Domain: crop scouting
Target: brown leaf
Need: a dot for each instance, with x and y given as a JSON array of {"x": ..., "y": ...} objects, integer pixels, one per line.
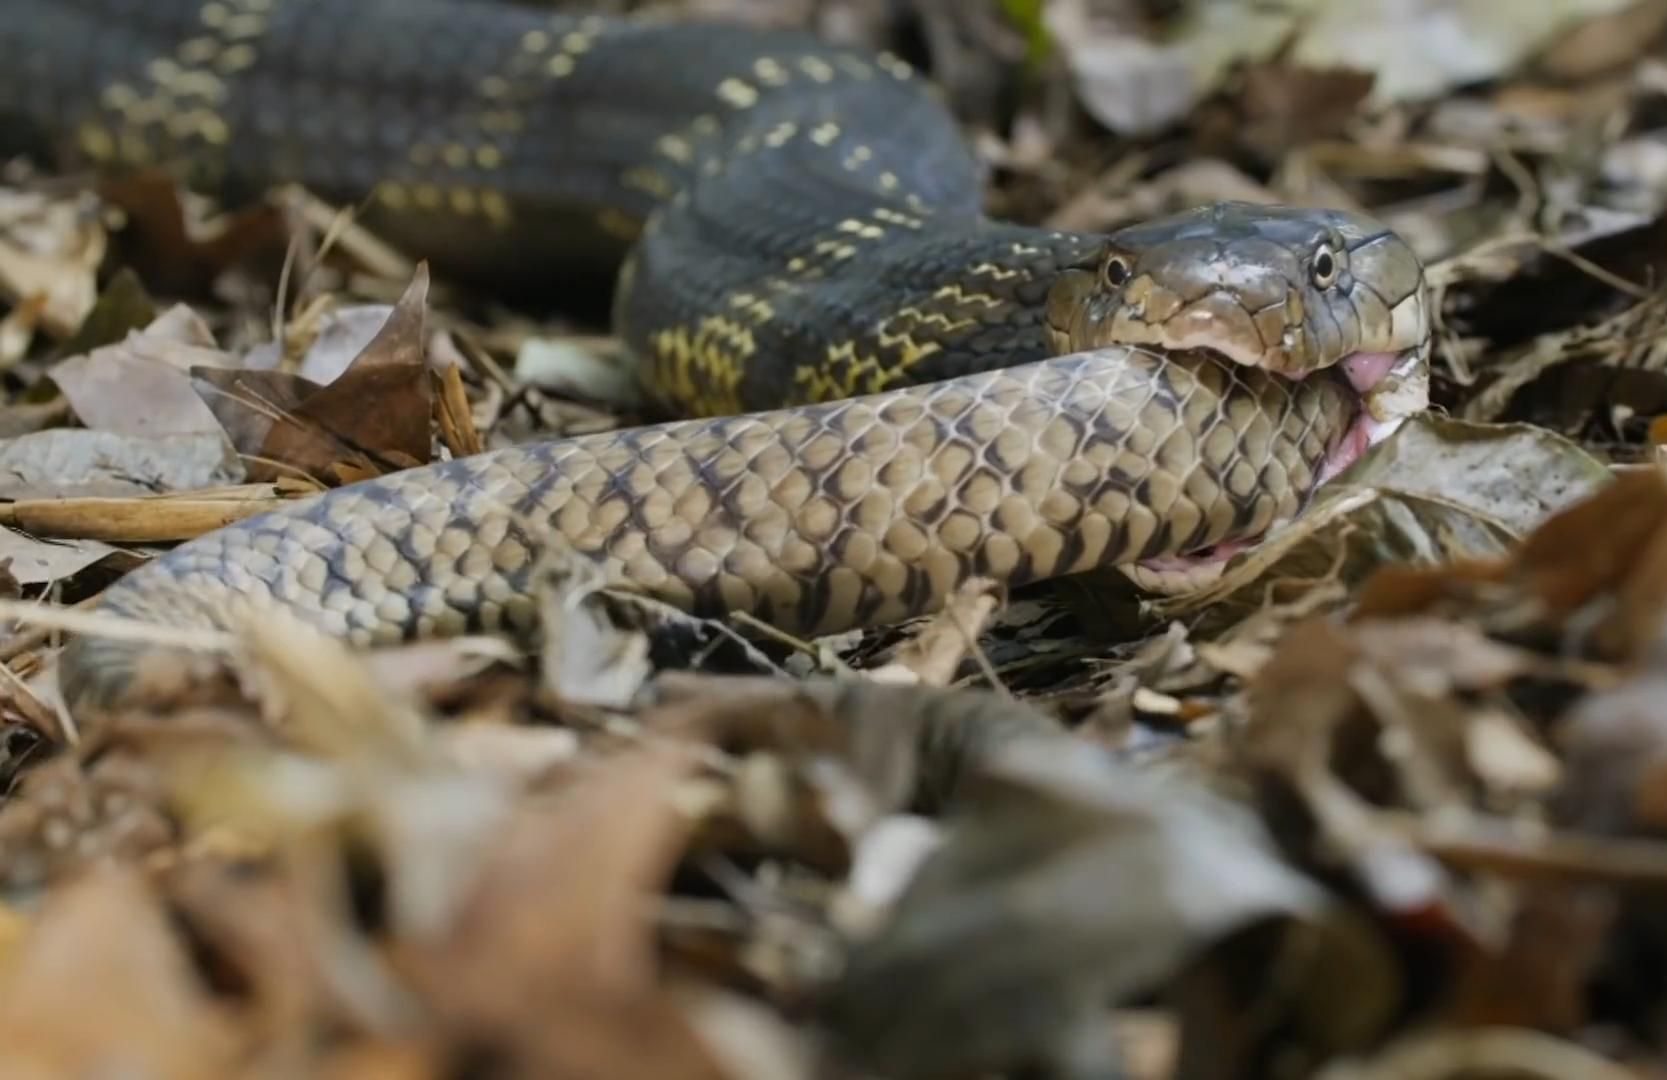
[
  {"x": 341, "y": 337},
  {"x": 177, "y": 249},
  {"x": 1605, "y": 556},
  {"x": 551, "y": 954},
  {"x": 102, "y": 983},
  {"x": 122, "y": 308},
  {"x": 374, "y": 419},
  {"x": 1285, "y": 106}
]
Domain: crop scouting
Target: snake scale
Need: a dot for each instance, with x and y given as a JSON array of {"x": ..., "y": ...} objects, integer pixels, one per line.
[{"x": 883, "y": 390}]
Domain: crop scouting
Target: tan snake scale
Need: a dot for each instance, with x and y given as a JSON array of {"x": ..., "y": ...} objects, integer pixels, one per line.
[{"x": 802, "y": 242}]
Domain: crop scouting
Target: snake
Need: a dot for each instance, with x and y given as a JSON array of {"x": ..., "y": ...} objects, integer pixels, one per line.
[{"x": 870, "y": 391}]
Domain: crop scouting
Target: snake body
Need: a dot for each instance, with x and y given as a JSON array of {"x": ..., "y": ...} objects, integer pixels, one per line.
[{"x": 923, "y": 393}]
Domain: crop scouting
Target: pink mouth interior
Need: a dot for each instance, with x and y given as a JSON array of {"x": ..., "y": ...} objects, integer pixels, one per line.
[{"x": 1364, "y": 372}]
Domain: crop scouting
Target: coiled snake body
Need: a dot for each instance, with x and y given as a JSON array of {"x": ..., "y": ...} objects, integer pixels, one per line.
[{"x": 926, "y": 393}]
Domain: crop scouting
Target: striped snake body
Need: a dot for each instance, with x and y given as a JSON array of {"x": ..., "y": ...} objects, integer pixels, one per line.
[{"x": 890, "y": 391}]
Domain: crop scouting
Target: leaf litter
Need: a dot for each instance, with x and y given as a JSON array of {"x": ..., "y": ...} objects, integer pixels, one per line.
[{"x": 1385, "y": 801}]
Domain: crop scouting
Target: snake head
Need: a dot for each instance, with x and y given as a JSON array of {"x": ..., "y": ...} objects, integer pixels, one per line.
[
  {"x": 1292, "y": 290},
  {"x": 1297, "y": 292}
]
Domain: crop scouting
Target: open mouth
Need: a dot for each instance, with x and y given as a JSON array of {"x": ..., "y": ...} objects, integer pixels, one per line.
[{"x": 1366, "y": 375}]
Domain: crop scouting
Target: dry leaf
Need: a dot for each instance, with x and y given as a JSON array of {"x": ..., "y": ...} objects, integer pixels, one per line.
[
  {"x": 65, "y": 462},
  {"x": 178, "y": 247},
  {"x": 1420, "y": 48},
  {"x": 44, "y": 562},
  {"x": 551, "y": 958},
  {"x": 102, "y": 985},
  {"x": 933, "y": 654},
  {"x": 50, "y": 251},
  {"x": 284, "y": 424},
  {"x": 141, "y": 385}
]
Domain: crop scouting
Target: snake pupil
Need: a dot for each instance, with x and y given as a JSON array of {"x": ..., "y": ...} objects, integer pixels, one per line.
[
  {"x": 1117, "y": 272},
  {"x": 1325, "y": 268}
]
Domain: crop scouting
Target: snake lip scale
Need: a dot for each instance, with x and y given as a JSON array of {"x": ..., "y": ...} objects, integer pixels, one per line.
[{"x": 881, "y": 392}]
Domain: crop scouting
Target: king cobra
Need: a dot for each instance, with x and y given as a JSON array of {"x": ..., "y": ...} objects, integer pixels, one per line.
[{"x": 877, "y": 391}]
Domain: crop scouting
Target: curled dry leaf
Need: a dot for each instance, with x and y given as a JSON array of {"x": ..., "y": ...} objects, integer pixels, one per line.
[
  {"x": 1600, "y": 566},
  {"x": 584, "y": 369},
  {"x": 285, "y": 424},
  {"x": 146, "y": 519},
  {"x": 595, "y": 653}
]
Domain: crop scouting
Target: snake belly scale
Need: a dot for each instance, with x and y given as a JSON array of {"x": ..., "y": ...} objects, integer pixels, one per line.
[{"x": 887, "y": 391}]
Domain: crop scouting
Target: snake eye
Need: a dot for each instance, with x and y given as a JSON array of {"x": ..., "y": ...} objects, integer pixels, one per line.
[
  {"x": 1116, "y": 271},
  {"x": 1324, "y": 267}
]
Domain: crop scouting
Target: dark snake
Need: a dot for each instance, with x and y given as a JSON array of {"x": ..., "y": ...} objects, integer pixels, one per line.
[{"x": 890, "y": 392}]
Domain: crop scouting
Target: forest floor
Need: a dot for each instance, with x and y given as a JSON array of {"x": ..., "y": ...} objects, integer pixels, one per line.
[{"x": 1375, "y": 806}]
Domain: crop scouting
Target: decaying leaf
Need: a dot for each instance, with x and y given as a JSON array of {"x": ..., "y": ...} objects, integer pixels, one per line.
[
  {"x": 578, "y": 369},
  {"x": 592, "y": 656},
  {"x": 64, "y": 462},
  {"x": 147, "y": 518},
  {"x": 284, "y": 424},
  {"x": 1135, "y": 85},
  {"x": 42, "y": 562},
  {"x": 1600, "y": 564}
]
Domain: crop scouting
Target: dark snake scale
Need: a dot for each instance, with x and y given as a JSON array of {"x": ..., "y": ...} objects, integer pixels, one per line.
[{"x": 888, "y": 391}]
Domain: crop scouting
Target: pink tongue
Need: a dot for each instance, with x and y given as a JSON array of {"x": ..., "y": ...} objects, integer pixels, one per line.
[{"x": 1366, "y": 370}]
